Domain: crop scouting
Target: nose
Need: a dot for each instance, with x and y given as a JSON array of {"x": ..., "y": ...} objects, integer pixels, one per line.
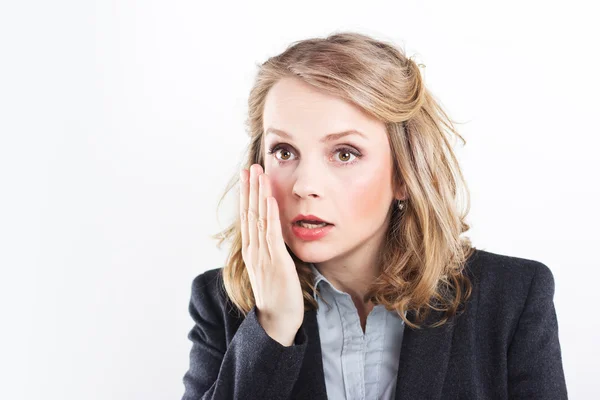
[{"x": 309, "y": 180}]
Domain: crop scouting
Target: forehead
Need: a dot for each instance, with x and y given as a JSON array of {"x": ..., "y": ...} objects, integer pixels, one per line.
[{"x": 299, "y": 109}]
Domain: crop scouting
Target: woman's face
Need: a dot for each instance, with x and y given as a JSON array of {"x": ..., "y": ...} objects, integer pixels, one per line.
[{"x": 346, "y": 181}]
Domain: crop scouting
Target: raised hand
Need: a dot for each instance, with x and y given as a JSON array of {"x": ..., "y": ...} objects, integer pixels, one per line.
[{"x": 271, "y": 269}]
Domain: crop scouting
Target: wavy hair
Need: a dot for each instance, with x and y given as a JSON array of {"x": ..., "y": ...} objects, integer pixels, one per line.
[{"x": 423, "y": 257}]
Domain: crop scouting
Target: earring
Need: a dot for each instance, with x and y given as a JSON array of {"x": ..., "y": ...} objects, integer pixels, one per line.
[{"x": 400, "y": 205}]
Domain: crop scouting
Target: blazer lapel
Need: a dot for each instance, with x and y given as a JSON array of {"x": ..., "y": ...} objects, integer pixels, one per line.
[
  {"x": 424, "y": 359},
  {"x": 422, "y": 366}
]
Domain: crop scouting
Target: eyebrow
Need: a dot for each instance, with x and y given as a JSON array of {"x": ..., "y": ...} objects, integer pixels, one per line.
[{"x": 328, "y": 138}]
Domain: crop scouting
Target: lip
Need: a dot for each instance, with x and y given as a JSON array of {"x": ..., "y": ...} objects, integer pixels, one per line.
[
  {"x": 310, "y": 234},
  {"x": 308, "y": 217}
]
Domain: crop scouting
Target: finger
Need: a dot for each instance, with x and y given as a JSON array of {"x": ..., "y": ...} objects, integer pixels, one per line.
[
  {"x": 274, "y": 234},
  {"x": 265, "y": 191},
  {"x": 244, "y": 176},
  {"x": 255, "y": 170}
]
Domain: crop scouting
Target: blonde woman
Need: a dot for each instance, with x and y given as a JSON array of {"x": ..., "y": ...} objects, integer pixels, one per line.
[{"x": 348, "y": 277}]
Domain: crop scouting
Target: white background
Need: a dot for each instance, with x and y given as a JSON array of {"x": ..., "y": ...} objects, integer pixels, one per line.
[{"x": 122, "y": 121}]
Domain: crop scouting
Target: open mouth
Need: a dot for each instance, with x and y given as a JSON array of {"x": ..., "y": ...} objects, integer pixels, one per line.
[{"x": 311, "y": 224}]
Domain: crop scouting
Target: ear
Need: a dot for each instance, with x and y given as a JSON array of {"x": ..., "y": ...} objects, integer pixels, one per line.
[{"x": 401, "y": 193}]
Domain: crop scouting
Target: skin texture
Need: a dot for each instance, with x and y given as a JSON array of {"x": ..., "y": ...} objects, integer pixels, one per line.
[
  {"x": 271, "y": 269},
  {"x": 308, "y": 176}
]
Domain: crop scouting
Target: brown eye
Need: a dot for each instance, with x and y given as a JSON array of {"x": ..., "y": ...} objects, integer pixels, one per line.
[
  {"x": 280, "y": 149},
  {"x": 284, "y": 152},
  {"x": 348, "y": 157},
  {"x": 345, "y": 156}
]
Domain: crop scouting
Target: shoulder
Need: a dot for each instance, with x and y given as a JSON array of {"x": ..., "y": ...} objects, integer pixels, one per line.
[
  {"x": 509, "y": 278},
  {"x": 208, "y": 280},
  {"x": 517, "y": 271},
  {"x": 208, "y": 291}
]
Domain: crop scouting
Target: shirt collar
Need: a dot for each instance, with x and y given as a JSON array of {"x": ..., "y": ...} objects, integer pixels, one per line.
[{"x": 317, "y": 277}]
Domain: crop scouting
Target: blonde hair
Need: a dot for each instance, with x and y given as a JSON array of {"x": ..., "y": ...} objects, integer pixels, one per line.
[{"x": 423, "y": 256}]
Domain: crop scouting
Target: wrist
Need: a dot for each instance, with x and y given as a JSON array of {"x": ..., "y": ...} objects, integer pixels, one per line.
[{"x": 283, "y": 333}]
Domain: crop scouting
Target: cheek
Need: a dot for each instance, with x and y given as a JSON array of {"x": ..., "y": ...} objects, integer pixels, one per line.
[
  {"x": 277, "y": 189},
  {"x": 367, "y": 197}
]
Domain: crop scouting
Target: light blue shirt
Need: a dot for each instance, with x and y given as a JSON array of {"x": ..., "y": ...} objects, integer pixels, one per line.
[{"x": 357, "y": 365}]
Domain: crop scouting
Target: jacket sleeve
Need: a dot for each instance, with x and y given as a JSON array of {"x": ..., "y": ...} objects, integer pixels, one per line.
[
  {"x": 535, "y": 369},
  {"x": 252, "y": 366}
]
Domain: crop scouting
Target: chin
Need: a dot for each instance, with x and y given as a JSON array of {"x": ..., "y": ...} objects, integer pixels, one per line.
[{"x": 311, "y": 252}]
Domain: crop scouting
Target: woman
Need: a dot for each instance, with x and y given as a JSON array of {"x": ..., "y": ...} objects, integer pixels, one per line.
[{"x": 347, "y": 276}]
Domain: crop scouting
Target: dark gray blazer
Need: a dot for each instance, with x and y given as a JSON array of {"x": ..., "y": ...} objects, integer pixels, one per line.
[{"x": 504, "y": 346}]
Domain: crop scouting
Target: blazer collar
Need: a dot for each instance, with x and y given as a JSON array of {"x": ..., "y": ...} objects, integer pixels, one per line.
[{"x": 423, "y": 363}]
